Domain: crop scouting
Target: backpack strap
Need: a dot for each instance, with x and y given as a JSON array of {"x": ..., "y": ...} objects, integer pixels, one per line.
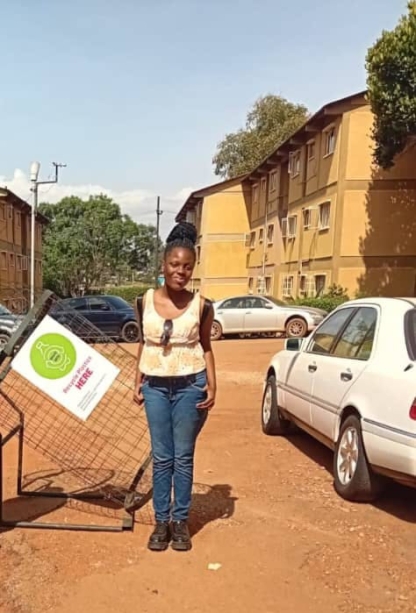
[
  {"x": 139, "y": 314},
  {"x": 205, "y": 310}
]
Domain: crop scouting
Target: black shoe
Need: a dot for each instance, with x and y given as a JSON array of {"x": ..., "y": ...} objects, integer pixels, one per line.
[
  {"x": 160, "y": 537},
  {"x": 181, "y": 539}
]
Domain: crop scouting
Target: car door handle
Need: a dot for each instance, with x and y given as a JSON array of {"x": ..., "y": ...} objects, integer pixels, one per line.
[
  {"x": 346, "y": 375},
  {"x": 312, "y": 367},
  {"x": 248, "y": 312}
]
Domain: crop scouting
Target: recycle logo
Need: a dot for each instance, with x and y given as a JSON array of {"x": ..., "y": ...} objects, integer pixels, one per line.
[{"x": 53, "y": 356}]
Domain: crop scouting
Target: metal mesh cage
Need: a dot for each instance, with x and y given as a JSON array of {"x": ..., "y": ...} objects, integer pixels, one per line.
[{"x": 108, "y": 453}]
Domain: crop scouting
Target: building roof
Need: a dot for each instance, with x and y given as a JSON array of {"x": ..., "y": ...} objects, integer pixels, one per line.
[
  {"x": 195, "y": 196},
  {"x": 22, "y": 205},
  {"x": 336, "y": 107}
]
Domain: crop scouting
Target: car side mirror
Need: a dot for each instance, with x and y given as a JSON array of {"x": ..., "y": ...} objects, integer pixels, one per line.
[
  {"x": 268, "y": 306},
  {"x": 293, "y": 344}
]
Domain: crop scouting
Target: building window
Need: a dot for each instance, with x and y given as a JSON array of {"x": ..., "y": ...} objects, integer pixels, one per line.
[
  {"x": 289, "y": 226},
  {"x": 311, "y": 150},
  {"x": 18, "y": 219},
  {"x": 10, "y": 211},
  {"x": 270, "y": 234},
  {"x": 11, "y": 260},
  {"x": 324, "y": 215},
  {"x": 287, "y": 287},
  {"x": 24, "y": 262},
  {"x": 263, "y": 184},
  {"x": 19, "y": 263},
  {"x": 252, "y": 239},
  {"x": 273, "y": 181},
  {"x": 294, "y": 164},
  {"x": 250, "y": 284},
  {"x": 3, "y": 260},
  {"x": 198, "y": 254},
  {"x": 261, "y": 235},
  {"x": 329, "y": 136},
  {"x": 255, "y": 194},
  {"x": 268, "y": 285},
  {"x": 319, "y": 284},
  {"x": 3, "y": 211},
  {"x": 307, "y": 219}
]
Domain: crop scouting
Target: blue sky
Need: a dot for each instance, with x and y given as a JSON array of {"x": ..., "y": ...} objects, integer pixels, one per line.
[{"x": 135, "y": 95}]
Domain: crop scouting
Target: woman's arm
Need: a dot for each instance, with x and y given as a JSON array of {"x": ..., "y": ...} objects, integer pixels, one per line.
[{"x": 205, "y": 336}]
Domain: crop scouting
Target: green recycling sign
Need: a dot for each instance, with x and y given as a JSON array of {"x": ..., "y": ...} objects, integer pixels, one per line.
[{"x": 53, "y": 356}]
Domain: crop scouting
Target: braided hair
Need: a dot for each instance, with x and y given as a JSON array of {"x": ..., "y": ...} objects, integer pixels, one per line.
[{"x": 183, "y": 235}]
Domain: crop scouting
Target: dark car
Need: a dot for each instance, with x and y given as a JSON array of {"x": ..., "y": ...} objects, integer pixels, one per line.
[
  {"x": 113, "y": 316},
  {"x": 9, "y": 322}
]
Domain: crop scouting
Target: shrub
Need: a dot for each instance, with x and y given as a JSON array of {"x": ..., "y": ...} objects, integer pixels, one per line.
[{"x": 334, "y": 296}]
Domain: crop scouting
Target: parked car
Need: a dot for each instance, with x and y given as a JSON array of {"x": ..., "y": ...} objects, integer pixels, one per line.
[
  {"x": 113, "y": 316},
  {"x": 263, "y": 314},
  {"x": 9, "y": 323},
  {"x": 352, "y": 385}
]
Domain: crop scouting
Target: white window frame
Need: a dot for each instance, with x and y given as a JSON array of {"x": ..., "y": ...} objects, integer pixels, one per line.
[
  {"x": 316, "y": 276},
  {"x": 270, "y": 234},
  {"x": 287, "y": 286},
  {"x": 286, "y": 222},
  {"x": 330, "y": 140},
  {"x": 311, "y": 145},
  {"x": 273, "y": 181},
  {"x": 294, "y": 163},
  {"x": 307, "y": 224},
  {"x": 261, "y": 235},
  {"x": 324, "y": 224}
]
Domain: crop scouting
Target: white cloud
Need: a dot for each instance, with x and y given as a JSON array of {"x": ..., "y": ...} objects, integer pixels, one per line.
[{"x": 139, "y": 203}]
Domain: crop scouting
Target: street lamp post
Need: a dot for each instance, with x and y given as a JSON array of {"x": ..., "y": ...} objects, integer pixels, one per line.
[{"x": 34, "y": 174}]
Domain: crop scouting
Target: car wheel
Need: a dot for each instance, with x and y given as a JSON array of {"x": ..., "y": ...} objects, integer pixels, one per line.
[
  {"x": 354, "y": 479},
  {"x": 130, "y": 332},
  {"x": 4, "y": 339},
  {"x": 216, "y": 331},
  {"x": 273, "y": 423},
  {"x": 296, "y": 328}
]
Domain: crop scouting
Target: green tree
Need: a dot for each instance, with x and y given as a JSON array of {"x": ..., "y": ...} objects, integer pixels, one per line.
[
  {"x": 271, "y": 121},
  {"x": 89, "y": 241},
  {"x": 391, "y": 67}
]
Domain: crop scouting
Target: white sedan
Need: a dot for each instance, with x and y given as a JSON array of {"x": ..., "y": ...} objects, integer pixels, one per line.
[
  {"x": 352, "y": 386},
  {"x": 260, "y": 314}
]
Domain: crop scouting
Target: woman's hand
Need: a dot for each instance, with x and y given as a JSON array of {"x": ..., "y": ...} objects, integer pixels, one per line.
[
  {"x": 138, "y": 394},
  {"x": 209, "y": 401}
]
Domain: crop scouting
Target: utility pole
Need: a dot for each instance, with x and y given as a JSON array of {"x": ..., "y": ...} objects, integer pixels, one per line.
[
  {"x": 34, "y": 174},
  {"x": 158, "y": 214}
]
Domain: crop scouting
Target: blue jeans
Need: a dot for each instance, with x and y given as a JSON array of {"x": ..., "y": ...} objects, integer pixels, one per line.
[{"x": 174, "y": 424}]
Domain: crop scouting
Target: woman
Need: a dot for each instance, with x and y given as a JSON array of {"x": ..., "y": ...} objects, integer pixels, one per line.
[{"x": 176, "y": 382}]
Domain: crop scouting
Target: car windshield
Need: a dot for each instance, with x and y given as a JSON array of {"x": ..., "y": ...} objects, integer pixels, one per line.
[
  {"x": 276, "y": 301},
  {"x": 4, "y": 310}
]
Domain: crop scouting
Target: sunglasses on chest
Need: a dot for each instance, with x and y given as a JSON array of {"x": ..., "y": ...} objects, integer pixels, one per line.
[{"x": 167, "y": 332}]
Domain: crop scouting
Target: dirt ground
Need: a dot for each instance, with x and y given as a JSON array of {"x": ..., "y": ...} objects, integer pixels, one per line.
[{"x": 265, "y": 513}]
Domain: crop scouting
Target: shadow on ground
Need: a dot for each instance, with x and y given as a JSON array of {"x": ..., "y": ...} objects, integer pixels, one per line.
[{"x": 396, "y": 500}]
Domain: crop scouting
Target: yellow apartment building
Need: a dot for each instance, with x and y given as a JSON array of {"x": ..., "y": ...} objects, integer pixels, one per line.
[
  {"x": 219, "y": 213},
  {"x": 321, "y": 213}
]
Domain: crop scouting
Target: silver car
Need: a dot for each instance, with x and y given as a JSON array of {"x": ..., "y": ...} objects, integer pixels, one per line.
[{"x": 261, "y": 315}]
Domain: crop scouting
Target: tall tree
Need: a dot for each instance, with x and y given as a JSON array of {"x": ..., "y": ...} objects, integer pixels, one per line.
[
  {"x": 271, "y": 120},
  {"x": 90, "y": 240},
  {"x": 391, "y": 67}
]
